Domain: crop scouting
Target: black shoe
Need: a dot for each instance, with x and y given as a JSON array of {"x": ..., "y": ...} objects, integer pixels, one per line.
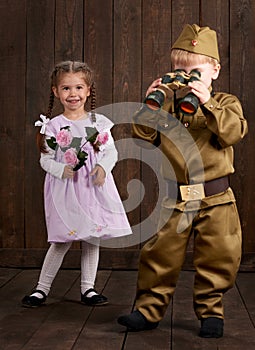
[
  {"x": 211, "y": 327},
  {"x": 32, "y": 301},
  {"x": 136, "y": 322},
  {"x": 95, "y": 300}
]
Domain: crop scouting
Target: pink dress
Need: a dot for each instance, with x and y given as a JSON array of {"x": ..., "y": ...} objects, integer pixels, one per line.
[{"x": 76, "y": 209}]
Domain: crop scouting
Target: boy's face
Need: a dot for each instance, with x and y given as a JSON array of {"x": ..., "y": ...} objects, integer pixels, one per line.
[{"x": 207, "y": 70}]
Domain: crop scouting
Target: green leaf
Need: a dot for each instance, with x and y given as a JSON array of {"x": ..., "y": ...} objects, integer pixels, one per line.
[
  {"x": 52, "y": 143},
  {"x": 82, "y": 156},
  {"x": 76, "y": 143},
  {"x": 91, "y": 134}
]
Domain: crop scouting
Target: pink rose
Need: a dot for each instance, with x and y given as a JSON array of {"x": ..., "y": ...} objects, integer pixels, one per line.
[
  {"x": 70, "y": 157},
  {"x": 102, "y": 138},
  {"x": 64, "y": 138}
]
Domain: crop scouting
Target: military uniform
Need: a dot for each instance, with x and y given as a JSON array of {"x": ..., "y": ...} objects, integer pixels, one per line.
[
  {"x": 216, "y": 226},
  {"x": 213, "y": 218}
]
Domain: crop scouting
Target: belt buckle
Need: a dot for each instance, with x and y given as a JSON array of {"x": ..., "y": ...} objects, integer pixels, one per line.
[{"x": 192, "y": 192}]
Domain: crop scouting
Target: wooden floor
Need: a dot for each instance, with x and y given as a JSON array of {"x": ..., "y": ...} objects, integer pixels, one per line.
[{"x": 63, "y": 323}]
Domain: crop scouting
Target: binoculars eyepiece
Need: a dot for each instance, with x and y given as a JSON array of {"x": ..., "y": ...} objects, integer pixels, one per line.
[{"x": 175, "y": 85}]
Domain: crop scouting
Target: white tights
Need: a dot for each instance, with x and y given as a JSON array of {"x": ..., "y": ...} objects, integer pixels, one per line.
[{"x": 54, "y": 258}]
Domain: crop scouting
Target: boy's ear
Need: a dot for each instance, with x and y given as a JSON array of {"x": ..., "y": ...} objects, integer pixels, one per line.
[
  {"x": 55, "y": 91},
  {"x": 216, "y": 71}
]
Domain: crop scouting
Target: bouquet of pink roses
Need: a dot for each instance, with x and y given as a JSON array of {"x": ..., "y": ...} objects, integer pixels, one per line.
[{"x": 72, "y": 148}]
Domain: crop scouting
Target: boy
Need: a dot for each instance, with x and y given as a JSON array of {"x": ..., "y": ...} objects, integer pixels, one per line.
[{"x": 215, "y": 127}]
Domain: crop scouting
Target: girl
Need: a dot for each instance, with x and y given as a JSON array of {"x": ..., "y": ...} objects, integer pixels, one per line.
[{"x": 80, "y": 196}]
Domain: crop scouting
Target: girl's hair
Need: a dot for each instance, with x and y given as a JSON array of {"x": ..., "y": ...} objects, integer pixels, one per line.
[
  {"x": 62, "y": 68},
  {"x": 182, "y": 57}
]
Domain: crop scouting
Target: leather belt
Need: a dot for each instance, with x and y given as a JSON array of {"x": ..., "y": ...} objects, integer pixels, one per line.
[{"x": 197, "y": 191}]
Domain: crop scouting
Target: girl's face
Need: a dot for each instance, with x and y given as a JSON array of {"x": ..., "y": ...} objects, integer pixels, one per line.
[
  {"x": 207, "y": 70},
  {"x": 72, "y": 92}
]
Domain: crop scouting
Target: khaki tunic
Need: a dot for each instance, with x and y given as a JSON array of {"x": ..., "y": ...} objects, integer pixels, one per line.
[{"x": 197, "y": 150}]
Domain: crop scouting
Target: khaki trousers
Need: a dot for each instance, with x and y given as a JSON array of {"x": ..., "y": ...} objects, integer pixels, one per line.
[{"x": 217, "y": 254}]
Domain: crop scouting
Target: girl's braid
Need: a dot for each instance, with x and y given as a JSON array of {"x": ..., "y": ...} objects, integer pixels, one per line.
[
  {"x": 40, "y": 139},
  {"x": 93, "y": 102},
  {"x": 51, "y": 104}
]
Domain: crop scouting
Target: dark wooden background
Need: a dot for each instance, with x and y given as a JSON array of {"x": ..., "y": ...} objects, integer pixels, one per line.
[{"x": 127, "y": 43}]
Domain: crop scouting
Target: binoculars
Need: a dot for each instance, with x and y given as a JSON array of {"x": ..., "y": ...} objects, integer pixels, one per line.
[{"x": 174, "y": 87}]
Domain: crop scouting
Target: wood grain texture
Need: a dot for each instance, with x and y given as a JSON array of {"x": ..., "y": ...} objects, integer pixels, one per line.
[
  {"x": 40, "y": 62},
  {"x": 98, "y": 47},
  {"x": 13, "y": 121},
  {"x": 242, "y": 75}
]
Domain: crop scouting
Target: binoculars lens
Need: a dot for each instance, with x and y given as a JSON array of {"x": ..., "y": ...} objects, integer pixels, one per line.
[
  {"x": 155, "y": 100},
  {"x": 189, "y": 104},
  {"x": 187, "y": 108},
  {"x": 153, "y": 105}
]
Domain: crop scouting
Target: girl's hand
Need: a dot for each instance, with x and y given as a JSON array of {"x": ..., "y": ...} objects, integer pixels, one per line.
[
  {"x": 100, "y": 174},
  {"x": 153, "y": 86},
  {"x": 199, "y": 89},
  {"x": 68, "y": 172}
]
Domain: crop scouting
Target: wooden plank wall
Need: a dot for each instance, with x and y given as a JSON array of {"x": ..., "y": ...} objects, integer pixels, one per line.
[{"x": 127, "y": 43}]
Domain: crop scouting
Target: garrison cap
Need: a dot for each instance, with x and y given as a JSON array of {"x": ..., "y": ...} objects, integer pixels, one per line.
[{"x": 199, "y": 40}]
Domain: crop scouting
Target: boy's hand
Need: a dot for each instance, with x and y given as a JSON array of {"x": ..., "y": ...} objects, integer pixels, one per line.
[
  {"x": 99, "y": 173},
  {"x": 199, "y": 89},
  {"x": 68, "y": 172},
  {"x": 153, "y": 86}
]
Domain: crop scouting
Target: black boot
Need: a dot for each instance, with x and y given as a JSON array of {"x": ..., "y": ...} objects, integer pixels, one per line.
[
  {"x": 95, "y": 300},
  {"x": 211, "y": 327},
  {"x": 136, "y": 322},
  {"x": 33, "y": 301}
]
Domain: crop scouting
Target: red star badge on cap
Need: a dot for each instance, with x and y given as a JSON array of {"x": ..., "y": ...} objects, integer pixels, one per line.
[{"x": 194, "y": 42}]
